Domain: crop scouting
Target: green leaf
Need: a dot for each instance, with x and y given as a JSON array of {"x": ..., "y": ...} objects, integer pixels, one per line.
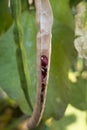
[
  {"x": 62, "y": 55},
  {"x": 79, "y": 94},
  {"x": 74, "y": 2},
  {"x": 9, "y": 79},
  {"x": 5, "y": 17},
  {"x": 62, "y": 13},
  {"x": 5, "y": 14}
]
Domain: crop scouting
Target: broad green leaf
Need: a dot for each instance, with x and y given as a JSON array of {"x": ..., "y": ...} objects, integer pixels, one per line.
[
  {"x": 62, "y": 12},
  {"x": 78, "y": 86},
  {"x": 5, "y": 14},
  {"x": 9, "y": 79},
  {"x": 5, "y": 17},
  {"x": 78, "y": 97},
  {"x": 79, "y": 94},
  {"x": 62, "y": 55}
]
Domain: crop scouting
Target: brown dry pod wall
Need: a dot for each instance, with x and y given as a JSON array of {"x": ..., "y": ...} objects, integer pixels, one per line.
[{"x": 44, "y": 18}]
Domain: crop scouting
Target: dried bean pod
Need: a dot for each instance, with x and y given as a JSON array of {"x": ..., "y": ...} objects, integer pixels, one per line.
[{"x": 44, "y": 18}]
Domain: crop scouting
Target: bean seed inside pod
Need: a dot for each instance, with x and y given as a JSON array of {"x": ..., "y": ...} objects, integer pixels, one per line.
[{"x": 44, "y": 61}]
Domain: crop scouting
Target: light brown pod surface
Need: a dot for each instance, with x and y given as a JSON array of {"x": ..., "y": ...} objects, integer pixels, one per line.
[{"x": 44, "y": 18}]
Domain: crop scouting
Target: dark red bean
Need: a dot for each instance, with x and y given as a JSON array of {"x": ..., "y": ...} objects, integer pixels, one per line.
[
  {"x": 43, "y": 79},
  {"x": 41, "y": 97},
  {"x": 43, "y": 87},
  {"x": 44, "y": 72},
  {"x": 44, "y": 61}
]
